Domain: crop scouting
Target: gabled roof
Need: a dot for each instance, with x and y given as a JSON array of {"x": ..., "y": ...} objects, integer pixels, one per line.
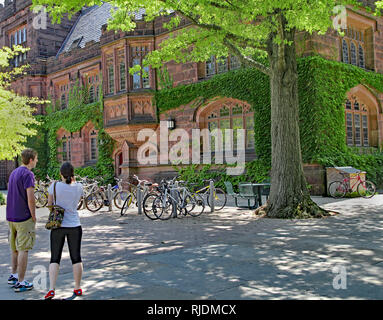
[{"x": 88, "y": 26}]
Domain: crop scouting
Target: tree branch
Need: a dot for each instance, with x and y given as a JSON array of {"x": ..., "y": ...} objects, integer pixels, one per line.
[
  {"x": 246, "y": 60},
  {"x": 244, "y": 41}
]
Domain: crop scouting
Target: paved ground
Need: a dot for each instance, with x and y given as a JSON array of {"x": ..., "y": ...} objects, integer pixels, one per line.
[{"x": 225, "y": 255}]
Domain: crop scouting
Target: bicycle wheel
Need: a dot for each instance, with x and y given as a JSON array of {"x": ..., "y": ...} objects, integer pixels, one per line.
[
  {"x": 337, "y": 189},
  {"x": 366, "y": 189},
  {"x": 151, "y": 206},
  {"x": 220, "y": 199},
  {"x": 126, "y": 205},
  {"x": 164, "y": 208},
  {"x": 41, "y": 199},
  {"x": 94, "y": 201},
  {"x": 194, "y": 205},
  {"x": 119, "y": 198}
]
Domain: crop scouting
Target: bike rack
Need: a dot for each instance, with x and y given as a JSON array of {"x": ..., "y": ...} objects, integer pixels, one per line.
[
  {"x": 139, "y": 200},
  {"x": 174, "y": 195},
  {"x": 211, "y": 196}
]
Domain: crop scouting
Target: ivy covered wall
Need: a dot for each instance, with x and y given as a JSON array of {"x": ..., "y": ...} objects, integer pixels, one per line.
[
  {"x": 77, "y": 114},
  {"x": 323, "y": 86}
]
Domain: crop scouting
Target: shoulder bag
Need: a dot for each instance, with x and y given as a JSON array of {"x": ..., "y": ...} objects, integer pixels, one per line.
[{"x": 56, "y": 214}]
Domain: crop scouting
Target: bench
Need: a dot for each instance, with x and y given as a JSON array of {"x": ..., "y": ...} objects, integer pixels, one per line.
[{"x": 245, "y": 192}]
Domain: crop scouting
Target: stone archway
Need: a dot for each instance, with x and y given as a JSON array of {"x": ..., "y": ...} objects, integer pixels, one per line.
[{"x": 364, "y": 118}]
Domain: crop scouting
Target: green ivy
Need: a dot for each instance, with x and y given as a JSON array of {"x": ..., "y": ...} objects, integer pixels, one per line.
[
  {"x": 73, "y": 119},
  {"x": 322, "y": 87},
  {"x": 2, "y": 199}
]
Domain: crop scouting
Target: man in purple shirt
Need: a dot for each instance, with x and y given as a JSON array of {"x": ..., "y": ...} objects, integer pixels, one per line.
[{"x": 21, "y": 217}]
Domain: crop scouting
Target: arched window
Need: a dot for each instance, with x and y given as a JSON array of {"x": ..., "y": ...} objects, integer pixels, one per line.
[
  {"x": 354, "y": 45},
  {"x": 353, "y": 53},
  {"x": 231, "y": 116},
  {"x": 345, "y": 51},
  {"x": 357, "y": 124},
  {"x": 361, "y": 57}
]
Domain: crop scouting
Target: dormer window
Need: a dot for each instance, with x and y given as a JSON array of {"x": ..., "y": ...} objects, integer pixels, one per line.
[{"x": 76, "y": 43}]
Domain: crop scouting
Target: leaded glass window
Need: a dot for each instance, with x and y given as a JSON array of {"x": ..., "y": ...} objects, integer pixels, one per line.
[
  {"x": 122, "y": 76},
  {"x": 345, "y": 51},
  {"x": 349, "y": 129},
  {"x": 210, "y": 66},
  {"x": 353, "y": 54},
  {"x": 138, "y": 55},
  {"x": 361, "y": 57},
  {"x": 357, "y": 129},
  {"x": 111, "y": 78}
]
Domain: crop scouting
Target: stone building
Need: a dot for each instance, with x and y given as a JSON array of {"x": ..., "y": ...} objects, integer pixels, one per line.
[{"x": 81, "y": 49}]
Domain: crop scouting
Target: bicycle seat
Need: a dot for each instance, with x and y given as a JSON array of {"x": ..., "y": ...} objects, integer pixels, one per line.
[{"x": 148, "y": 184}]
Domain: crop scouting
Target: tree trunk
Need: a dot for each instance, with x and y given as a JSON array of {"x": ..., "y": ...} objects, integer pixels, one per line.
[{"x": 289, "y": 196}]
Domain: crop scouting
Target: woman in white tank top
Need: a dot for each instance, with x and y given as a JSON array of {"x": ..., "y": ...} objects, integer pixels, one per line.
[{"x": 68, "y": 194}]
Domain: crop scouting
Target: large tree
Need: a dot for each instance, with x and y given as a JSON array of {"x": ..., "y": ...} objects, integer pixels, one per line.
[
  {"x": 16, "y": 111},
  {"x": 247, "y": 29}
]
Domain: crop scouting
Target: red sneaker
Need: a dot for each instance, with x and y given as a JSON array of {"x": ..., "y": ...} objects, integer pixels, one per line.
[
  {"x": 49, "y": 295},
  {"x": 77, "y": 292}
]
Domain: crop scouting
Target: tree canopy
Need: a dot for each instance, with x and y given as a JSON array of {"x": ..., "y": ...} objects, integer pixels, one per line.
[
  {"x": 16, "y": 111},
  {"x": 240, "y": 27}
]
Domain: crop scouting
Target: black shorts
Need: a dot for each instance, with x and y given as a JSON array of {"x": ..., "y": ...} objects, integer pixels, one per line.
[{"x": 73, "y": 236}]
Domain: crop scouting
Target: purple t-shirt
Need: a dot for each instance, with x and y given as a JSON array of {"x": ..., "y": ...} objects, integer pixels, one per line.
[{"x": 17, "y": 201}]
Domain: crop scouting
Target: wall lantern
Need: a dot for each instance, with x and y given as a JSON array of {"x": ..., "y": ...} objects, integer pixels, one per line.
[{"x": 171, "y": 124}]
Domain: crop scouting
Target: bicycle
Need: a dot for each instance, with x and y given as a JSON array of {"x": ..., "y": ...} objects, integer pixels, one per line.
[
  {"x": 338, "y": 189},
  {"x": 144, "y": 186},
  {"x": 119, "y": 194},
  {"x": 220, "y": 197},
  {"x": 173, "y": 198},
  {"x": 96, "y": 197},
  {"x": 41, "y": 192}
]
